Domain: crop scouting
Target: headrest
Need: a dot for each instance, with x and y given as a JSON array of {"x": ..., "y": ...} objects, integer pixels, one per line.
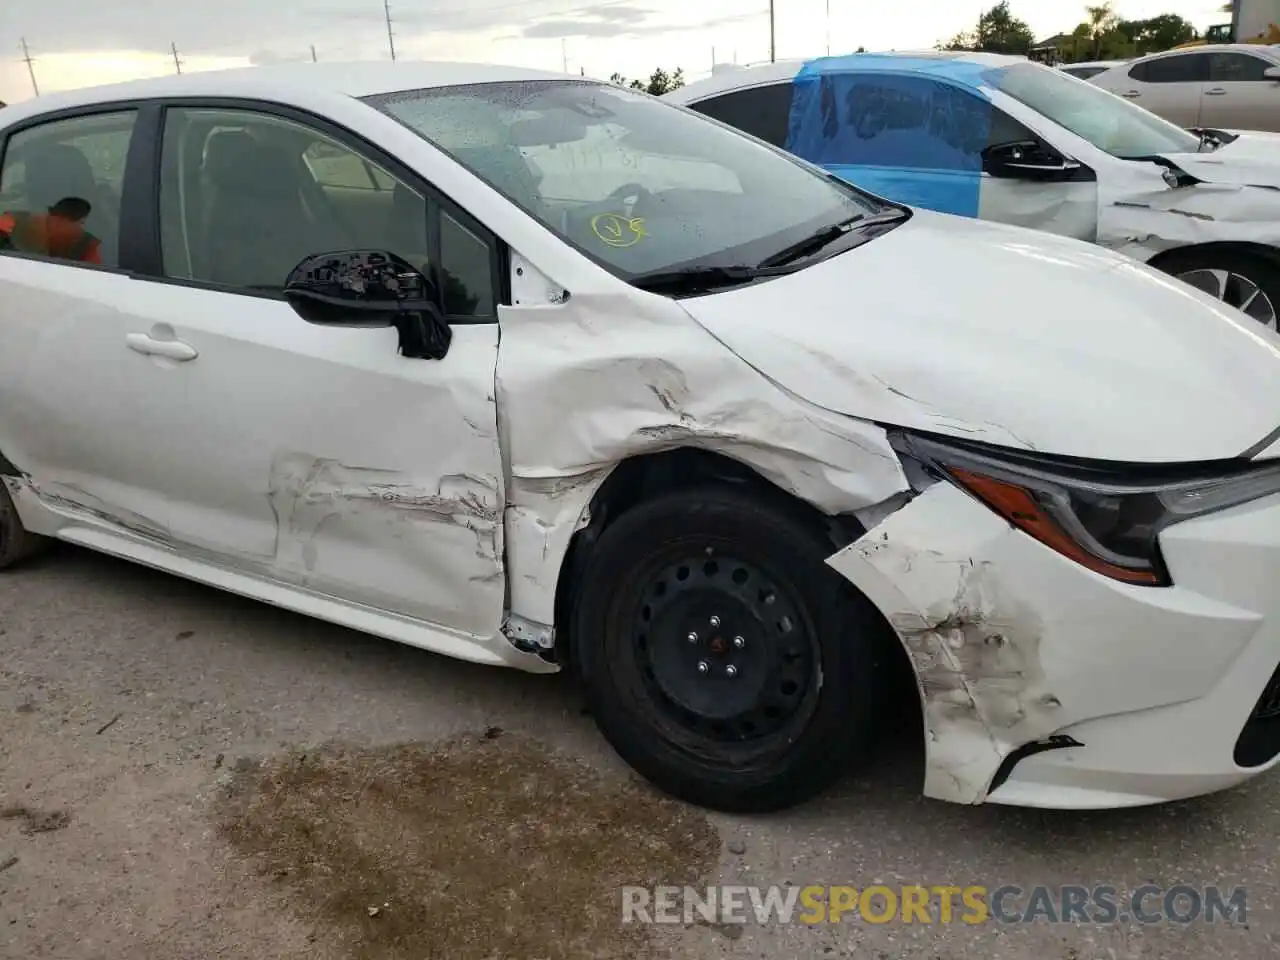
[
  {"x": 236, "y": 160},
  {"x": 58, "y": 171}
]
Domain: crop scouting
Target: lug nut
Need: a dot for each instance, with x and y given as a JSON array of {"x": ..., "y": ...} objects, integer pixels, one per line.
[
  {"x": 703, "y": 666},
  {"x": 739, "y": 643},
  {"x": 692, "y": 638},
  {"x": 731, "y": 671},
  {"x": 715, "y": 621}
]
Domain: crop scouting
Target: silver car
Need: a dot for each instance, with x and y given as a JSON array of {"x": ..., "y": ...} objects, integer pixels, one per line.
[{"x": 1232, "y": 86}]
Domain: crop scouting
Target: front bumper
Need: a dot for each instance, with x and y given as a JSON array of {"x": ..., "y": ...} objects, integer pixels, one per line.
[{"x": 1012, "y": 644}]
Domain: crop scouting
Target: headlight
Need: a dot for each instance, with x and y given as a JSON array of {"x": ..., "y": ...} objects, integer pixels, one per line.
[{"x": 1106, "y": 517}]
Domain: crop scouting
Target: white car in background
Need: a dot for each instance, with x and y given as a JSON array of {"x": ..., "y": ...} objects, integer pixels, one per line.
[
  {"x": 537, "y": 371},
  {"x": 1004, "y": 139},
  {"x": 1222, "y": 86}
]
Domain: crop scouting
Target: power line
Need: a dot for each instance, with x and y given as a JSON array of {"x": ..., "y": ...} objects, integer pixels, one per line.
[
  {"x": 173, "y": 47},
  {"x": 391, "y": 38},
  {"x": 773, "y": 46},
  {"x": 31, "y": 66}
]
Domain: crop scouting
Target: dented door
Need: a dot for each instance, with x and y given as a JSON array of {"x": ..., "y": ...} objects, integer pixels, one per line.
[{"x": 320, "y": 457}]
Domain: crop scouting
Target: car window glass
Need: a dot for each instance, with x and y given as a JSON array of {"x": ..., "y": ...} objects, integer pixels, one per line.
[
  {"x": 1084, "y": 73},
  {"x": 60, "y": 186},
  {"x": 1109, "y": 122},
  {"x": 602, "y": 163},
  {"x": 467, "y": 269},
  {"x": 893, "y": 120},
  {"x": 633, "y": 182},
  {"x": 245, "y": 197},
  {"x": 763, "y": 112},
  {"x": 1187, "y": 68},
  {"x": 1236, "y": 68}
]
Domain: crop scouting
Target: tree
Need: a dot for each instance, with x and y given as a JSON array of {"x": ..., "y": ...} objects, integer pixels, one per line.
[
  {"x": 659, "y": 81},
  {"x": 1101, "y": 20},
  {"x": 998, "y": 31}
]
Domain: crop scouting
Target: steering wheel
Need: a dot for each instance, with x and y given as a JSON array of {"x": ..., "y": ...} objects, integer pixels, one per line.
[{"x": 628, "y": 191}]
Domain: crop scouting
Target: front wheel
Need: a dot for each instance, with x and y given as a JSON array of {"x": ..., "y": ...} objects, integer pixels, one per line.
[
  {"x": 721, "y": 657},
  {"x": 15, "y": 542},
  {"x": 1248, "y": 282}
]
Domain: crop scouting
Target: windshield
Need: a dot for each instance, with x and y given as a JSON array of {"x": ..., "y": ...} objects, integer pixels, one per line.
[
  {"x": 640, "y": 186},
  {"x": 1109, "y": 122}
]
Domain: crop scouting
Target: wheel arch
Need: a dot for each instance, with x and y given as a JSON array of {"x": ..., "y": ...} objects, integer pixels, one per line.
[
  {"x": 1218, "y": 248},
  {"x": 642, "y": 477}
]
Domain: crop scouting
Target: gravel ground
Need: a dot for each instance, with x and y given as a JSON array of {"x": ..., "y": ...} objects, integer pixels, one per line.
[{"x": 187, "y": 774}]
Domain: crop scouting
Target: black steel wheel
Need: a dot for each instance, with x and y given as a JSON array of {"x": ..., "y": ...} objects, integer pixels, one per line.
[{"x": 721, "y": 656}]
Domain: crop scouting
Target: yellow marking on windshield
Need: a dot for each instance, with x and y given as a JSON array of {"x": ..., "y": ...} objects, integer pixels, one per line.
[{"x": 617, "y": 230}]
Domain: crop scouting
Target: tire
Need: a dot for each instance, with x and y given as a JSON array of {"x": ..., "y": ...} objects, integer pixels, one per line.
[
  {"x": 1242, "y": 280},
  {"x": 16, "y": 544},
  {"x": 803, "y": 706}
]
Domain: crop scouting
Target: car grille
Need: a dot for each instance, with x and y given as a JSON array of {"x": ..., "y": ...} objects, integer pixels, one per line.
[{"x": 1259, "y": 741}]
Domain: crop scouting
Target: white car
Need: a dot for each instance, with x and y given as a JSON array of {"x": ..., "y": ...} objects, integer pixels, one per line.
[
  {"x": 1227, "y": 86},
  {"x": 534, "y": 371},
  {"x": 1004, "y": 139}
]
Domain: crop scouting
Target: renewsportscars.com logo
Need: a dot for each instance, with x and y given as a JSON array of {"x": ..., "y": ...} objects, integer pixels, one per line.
[{"x": 970, "y": 904}]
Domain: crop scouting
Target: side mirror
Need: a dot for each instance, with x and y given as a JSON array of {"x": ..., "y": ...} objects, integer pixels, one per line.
[
  {"x": 371, "y": 288},
  {"x": 1027, "y": 160},
  {"x": 1271, "y": 73}
]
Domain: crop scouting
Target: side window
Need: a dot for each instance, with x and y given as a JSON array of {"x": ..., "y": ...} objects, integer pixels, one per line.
[
  {"x": 467, "y": 268},
  {"x": 763, "y": 112},
  {"x": 60, "y": 186},
  {"x": 246, "y": 196},
  {"x": 1236, "y": 68},
  {"x": 1185, "y": 68},
  {"x": 892, "y": 120}
]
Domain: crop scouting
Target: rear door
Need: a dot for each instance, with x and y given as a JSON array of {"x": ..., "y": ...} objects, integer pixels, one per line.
[
  {"x": 73, "y": 407},
  {"x": 1169, "y": 86},
  {"x": 1238, "y": 96}
]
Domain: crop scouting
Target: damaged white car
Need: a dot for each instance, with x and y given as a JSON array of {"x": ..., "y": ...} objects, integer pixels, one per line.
[
  {"x": 536, "y": 371},
  {"x": 1004, "y": 139}
]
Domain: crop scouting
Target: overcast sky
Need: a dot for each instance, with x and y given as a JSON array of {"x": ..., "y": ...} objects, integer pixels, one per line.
[{"x": 76, "y": 43}]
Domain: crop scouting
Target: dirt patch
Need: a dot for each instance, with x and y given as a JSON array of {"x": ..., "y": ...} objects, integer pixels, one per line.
[
  {"x": 36, "y": 821},
  {"x": 492, "y": 847}
]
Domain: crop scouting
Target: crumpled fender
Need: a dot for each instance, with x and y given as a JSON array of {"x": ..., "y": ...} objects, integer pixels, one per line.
[{"x": 1233, "y": 199}]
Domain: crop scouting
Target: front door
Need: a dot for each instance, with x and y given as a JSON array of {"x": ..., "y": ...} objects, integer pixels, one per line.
[
  {"x": 1238, "y": 96},
  {"x": 318, "y": 456}
]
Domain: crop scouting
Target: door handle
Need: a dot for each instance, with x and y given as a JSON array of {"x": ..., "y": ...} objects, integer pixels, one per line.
[
  {"x": 1130, "y": 94},
  {"x": 1215, "y": 92},
  {"x": 151, "y": 347}
]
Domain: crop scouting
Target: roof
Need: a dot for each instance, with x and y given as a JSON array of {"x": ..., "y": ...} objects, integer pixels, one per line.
[
  {"x": 357, "y": 79},
  {"x": 955, "y": 64},
  {"x": 1269, "y": 51}
]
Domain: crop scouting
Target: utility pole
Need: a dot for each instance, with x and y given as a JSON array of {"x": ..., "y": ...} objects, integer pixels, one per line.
[
  {"x": 564, "y": 54},
  {"x": 773, "y": 45},
  {"x": 31, "y": 66},
  {"x": 828, "y": 28},
  {"x": 391, "y": 38},
  {"x": 173, "y": 47},
  {"x": 313, "y": 53}
]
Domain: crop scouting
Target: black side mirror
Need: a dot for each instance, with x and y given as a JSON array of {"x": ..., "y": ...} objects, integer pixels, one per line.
[
  {"x": 371, "y": 288},
  {"x": 1028, "y": 160},
  {"x": 1271, "y": 73}
]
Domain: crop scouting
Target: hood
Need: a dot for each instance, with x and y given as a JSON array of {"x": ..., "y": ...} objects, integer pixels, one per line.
[
  {"x": 1024, "y": 339},
  {"x": 1252, "y": 160}
]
